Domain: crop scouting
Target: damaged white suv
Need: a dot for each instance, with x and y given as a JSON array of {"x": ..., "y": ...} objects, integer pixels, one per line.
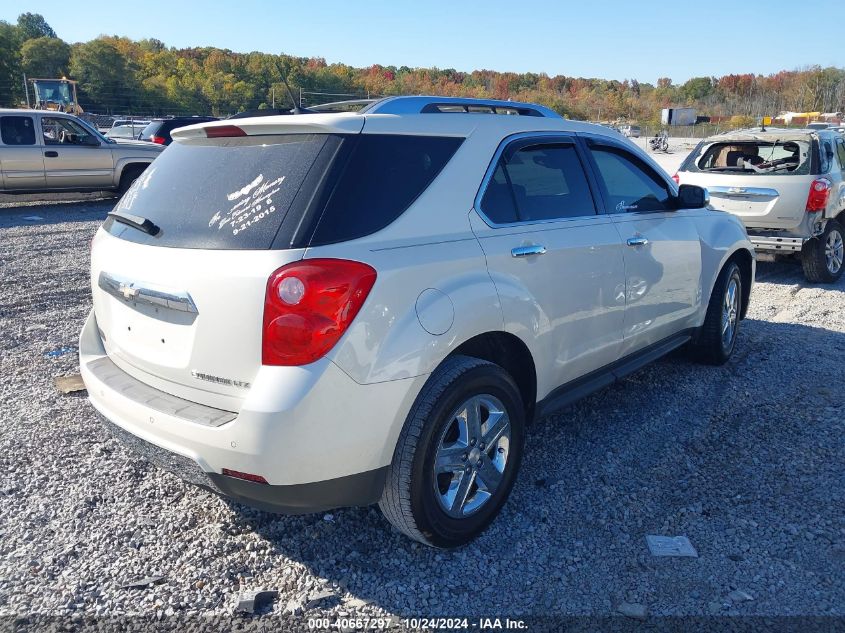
[
  {"x": 788, "y": 188},
  {"x": 318, "y": 310}
]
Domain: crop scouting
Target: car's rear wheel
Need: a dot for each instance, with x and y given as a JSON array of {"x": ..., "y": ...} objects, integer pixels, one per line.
[
  {"x": 458, "y": 454},
  {"x": 130, "y": 174},
  {"x": 822, "y": 257},
  {"x": 716, "y": 339}
]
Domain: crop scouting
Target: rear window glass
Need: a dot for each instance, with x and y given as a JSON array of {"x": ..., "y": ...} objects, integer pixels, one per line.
[
  {"x": 383, "y": 176},
  {"x": 230, "y": 195},
  {"x": 151, "y": 128},
  {"x": 262, "y": 192},
  {"x": 17, "y": 130},
  {"x": 753, "y": 157}
]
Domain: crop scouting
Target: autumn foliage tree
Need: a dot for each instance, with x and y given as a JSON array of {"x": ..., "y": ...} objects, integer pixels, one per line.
[{"x": 119, "y": 75}]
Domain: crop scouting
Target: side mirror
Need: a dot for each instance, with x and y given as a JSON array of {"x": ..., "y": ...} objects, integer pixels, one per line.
[
  {"x": 692, "y": 197},
  {"x": 90, "y": 141}
]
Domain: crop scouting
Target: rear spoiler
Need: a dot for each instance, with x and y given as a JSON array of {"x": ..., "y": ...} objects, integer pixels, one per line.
[{"x": 334, "y": 123}]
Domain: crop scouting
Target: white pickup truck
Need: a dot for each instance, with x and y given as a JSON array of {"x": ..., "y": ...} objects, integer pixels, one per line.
[{"x": 786, "y": 186}]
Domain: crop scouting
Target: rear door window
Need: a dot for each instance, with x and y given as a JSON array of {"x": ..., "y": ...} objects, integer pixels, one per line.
[
  {"x": 825, "y": 154},
  {"x": 222, "y": 195},
  {"x": 17, "y": 130},
  {"x": 538, "y": 181},
  {"x": 840, "y": 150}
]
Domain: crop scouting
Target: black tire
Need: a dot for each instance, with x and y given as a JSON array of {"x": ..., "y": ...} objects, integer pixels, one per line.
[
  {"x": 711, "y": 346},
  {"x": 814, "y": 258},
  {"x": 130, "y": 174},
  {"x": 413, "y": 495}
]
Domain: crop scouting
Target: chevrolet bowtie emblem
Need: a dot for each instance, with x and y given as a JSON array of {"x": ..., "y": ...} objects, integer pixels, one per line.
[
  {"x": 736, "y": 190},
  {"x": 128, "y": 291}
]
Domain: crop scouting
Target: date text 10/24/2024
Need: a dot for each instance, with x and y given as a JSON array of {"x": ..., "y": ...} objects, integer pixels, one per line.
[{"x": 434, "y": 623}]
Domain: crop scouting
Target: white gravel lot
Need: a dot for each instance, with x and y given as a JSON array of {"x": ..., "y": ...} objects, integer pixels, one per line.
[{"x": 745, "y": 460}]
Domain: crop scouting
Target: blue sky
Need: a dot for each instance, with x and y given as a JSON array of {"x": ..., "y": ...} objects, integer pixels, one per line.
[{"x": 612, "y": 39}]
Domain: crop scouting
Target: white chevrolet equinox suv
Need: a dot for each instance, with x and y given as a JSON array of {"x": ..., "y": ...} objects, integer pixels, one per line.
[{"x": 318, "y": 310}]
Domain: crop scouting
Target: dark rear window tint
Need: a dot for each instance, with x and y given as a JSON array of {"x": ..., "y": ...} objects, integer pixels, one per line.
[
  {"x": 17, "y": 130},
  {"x": 262, "y": 192},
  {"x": 150, "y": 130},
  {"x": 230, "y": 195},
  {"x": 384, "y": 174}
]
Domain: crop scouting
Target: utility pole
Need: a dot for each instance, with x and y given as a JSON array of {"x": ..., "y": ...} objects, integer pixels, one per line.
[
  {"x": 26, "y": 90},
  {"x": 273, "y": 89}
]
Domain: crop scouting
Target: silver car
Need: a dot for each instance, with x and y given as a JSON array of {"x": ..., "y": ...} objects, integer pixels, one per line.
[
  {"x": 42, "y": 151},
  {"x": 631, "y": 131}
]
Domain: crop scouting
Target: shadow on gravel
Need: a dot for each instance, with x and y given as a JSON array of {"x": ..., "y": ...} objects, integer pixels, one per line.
[
  {"x": 788, "y": 272},
  {"x": 50, "y": 213},
  {"x": 744, "y": 459}
]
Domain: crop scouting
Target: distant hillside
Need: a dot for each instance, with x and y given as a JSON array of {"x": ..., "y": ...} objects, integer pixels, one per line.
[{"x": 118, "y": 75}]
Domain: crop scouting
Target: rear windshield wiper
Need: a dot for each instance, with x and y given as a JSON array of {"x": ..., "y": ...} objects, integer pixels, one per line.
[{"x": 136, "y": 222}]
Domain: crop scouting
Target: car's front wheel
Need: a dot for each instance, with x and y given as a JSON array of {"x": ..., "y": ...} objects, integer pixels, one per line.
[
  {"x": 716, "y": 339},
  {"x": 822, "y": 257},
  {"x": 458, "y": 454}
]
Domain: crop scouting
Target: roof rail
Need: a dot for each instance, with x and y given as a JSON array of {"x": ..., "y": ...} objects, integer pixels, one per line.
[{"x": 447, "y": 105}]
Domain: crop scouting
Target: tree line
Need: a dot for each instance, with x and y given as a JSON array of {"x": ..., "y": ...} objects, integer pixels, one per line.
[{"x": 117, "y": 75}]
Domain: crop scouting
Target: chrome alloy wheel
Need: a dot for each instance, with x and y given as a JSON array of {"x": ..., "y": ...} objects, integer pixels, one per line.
[
  {"x": 730, "y": 313},
  {"x": 834, "y": 251},
  {"x": 471, "y": 455}
]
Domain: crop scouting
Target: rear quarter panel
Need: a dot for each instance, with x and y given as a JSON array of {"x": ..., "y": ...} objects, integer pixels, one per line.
[{"x": 443, "y": 286}]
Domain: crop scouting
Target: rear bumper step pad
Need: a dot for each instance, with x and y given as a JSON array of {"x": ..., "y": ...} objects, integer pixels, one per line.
[{"x": 115, "y": 378}]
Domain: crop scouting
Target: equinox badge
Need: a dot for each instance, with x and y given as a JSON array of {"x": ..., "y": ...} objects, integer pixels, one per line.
[{"x": 219, "y": 380}]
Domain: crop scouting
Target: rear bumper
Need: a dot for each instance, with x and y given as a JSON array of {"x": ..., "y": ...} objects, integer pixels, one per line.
[
  {"x": 353, "y": 490},
  {"x": 317, "y": 437},
  {"x": 775, "y": 244}
]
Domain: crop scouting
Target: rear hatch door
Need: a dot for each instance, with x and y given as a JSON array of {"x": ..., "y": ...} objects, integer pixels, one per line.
[
  {"x": 771, "y": 202},
  {"x": 764, "y": 179},
  {"x": 182, "y": 309}
]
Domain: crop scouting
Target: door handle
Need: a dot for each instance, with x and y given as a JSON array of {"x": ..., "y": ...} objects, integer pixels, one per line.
[
  {"x": 51, "y": 154},
  {"x": 525, "y": 251},
  {"x": 637, "y": 241}
]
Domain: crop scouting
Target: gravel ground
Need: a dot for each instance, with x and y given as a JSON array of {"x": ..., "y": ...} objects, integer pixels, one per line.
[{"x": 745, "y": 460}]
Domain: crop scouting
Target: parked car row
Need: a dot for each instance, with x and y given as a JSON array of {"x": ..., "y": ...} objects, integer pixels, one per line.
[{"x": 319, "y": 310}]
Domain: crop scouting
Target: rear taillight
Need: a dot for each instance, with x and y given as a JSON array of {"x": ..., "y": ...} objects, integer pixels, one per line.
[
  {"x": 223, "y": 131},
  {"x": 676, "y": 178},
  {"x": 309, "y": 305},
  {"x": 819, "y": 193},
  {"x": 160, "y": 140}
]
